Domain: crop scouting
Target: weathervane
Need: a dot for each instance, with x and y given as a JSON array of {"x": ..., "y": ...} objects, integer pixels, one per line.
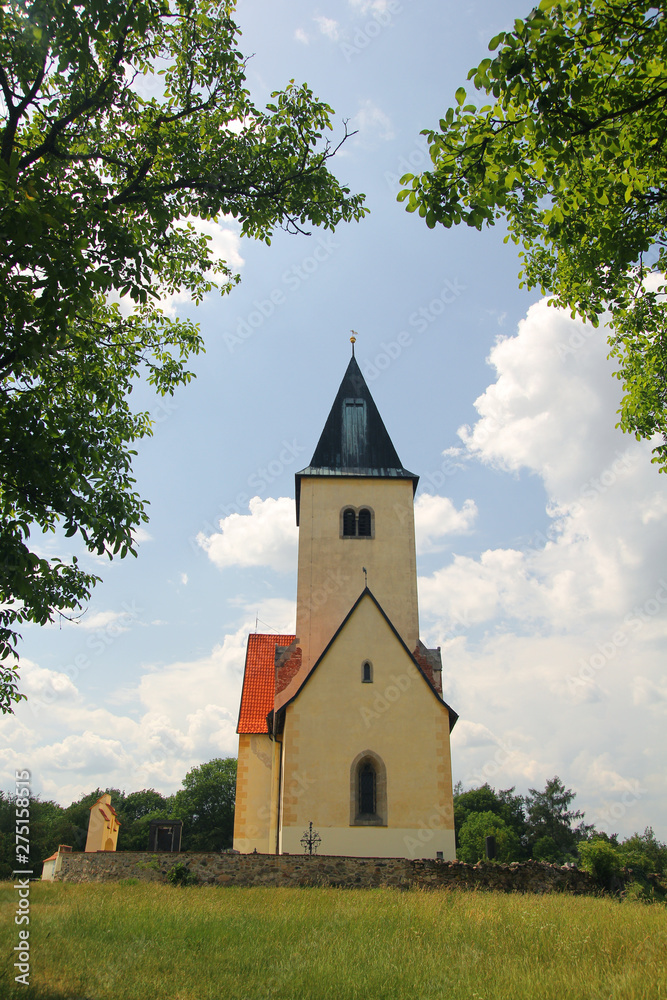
[
  {"x": 310, "y": 840},
  {"x": 353, "y": 339}
]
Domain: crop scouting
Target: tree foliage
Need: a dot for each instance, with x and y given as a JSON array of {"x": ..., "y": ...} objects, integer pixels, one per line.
[
  {"x": 480, "y": 825},
  {"x": 505, "y": 805},
  {"x": 572, "y": 154},
  {"x": 122, "y": 123},
  {"x": 550, "y": 822},
  {"x": 206, "y": 805}
]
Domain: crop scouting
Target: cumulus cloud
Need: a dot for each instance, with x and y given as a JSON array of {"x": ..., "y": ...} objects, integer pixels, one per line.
[
  {"x": 372, "y": 6},
  {"x": 301, "y": 36},
  {"x": 556, "y": 645},
  {"x": 329, "y": 27},
  {"x": 372, "y": 124},
  {"x": 436, "y": 517},
  {"x": 267, "y": 536},
  {"x": 181, "y": 713}
]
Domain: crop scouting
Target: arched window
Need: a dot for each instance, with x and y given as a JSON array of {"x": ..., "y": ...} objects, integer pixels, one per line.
[
  {"x": 364, "y": 523},
  {"x": 368, "y": 790},
  {"x": 367, "y": 672},
  {"x": 357, "y": 522},
  {"x": 349, "y": 523}
]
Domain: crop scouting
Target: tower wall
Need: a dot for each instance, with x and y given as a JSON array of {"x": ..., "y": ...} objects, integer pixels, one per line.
[{"x": 331, "y": 567}]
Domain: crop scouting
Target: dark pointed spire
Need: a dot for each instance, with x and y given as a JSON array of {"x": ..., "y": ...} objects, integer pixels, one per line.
[{"x": 354, "y": 441}]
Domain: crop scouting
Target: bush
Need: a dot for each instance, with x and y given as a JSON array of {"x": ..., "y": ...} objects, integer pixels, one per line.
[
  {"x": 601, "y": 859},
  {"x": 480, "y": 825},
  {"x": 180, "y": 874}
]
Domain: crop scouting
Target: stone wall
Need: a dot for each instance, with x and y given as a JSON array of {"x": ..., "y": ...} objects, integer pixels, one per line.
[{"x": 326, "y": 870}]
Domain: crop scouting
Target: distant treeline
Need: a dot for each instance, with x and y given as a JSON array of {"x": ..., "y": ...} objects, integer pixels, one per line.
[
  {"x": 205, "y": 803},
  {"x": 540, "y": 825}
]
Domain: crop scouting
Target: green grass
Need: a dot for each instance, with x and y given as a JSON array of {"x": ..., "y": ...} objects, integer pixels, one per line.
[{"x": 148, "y": 942}]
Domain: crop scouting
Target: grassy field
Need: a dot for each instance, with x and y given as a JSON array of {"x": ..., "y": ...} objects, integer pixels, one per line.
[{"x": 148, "y": 942}]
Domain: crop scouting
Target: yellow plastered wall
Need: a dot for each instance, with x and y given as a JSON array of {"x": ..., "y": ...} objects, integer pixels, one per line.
[
  {"x": 254, "y": 821},
  {"x": 331, "y": 568},
  {"x": 103, "y": 827},
  {"x": 336, "y": 717}
]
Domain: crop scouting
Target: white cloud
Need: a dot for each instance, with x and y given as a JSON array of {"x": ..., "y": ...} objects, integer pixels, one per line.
[
  {"x": 328, "y": 27},
  {"x": 556, "y": 645},
  {"x": 267, "y": 536},
  {"x": 183, "y": 712},
  {"x": 374, "y": 6},
  {"x": 372, "y": 124},
  {"x": 301, "y": 36},
  {"x": 436, "y": 517}
]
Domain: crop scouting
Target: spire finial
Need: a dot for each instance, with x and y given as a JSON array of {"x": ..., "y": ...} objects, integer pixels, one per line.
[{"x": 353, "y": 340}]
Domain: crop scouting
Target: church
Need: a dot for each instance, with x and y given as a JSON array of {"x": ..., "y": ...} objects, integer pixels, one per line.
[{"x": 344, "y": 724}]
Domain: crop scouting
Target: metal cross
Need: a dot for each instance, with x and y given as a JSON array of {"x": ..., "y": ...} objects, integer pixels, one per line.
[{"x": 310, "y": 840}]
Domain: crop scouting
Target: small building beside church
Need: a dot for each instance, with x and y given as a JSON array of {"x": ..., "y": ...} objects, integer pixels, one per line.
[{"x": 344, "y": 724}]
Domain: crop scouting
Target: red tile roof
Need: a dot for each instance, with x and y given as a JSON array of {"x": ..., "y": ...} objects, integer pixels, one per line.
[{"x": 259, "y": 681}]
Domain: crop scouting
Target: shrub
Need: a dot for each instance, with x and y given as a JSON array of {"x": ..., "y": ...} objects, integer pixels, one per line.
[
  {"x": 180, "y": 874},
  {"x": 480, "y": 825},
  {"x": 601, "y": 859}
]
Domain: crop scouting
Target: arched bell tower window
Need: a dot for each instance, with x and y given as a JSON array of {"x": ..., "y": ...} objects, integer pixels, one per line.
[
  {"x": 368, "y": 790},
  {"x": 349, "y": 523},
  {"x": 357, "y": 522},
  {"x": 367, "y": 672},
  {"x": 364, "y": 523}
]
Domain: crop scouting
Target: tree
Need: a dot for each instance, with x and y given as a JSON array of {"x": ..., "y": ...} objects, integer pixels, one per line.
[
  {"x": 45, "y": 824},
  {"x": 480, "y": 825},
  {"x": 504, "y": 804},
  {"x": 123, "y": 123},
  {"x": 206, "y": 805},
  {"x": 645, "y": 852},
  {"x": 549, "y": 820},
  {"x": 571, "y": 153}
]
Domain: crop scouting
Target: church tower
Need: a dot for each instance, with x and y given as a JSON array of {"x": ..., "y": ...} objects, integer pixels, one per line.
[{"x": 344, "y": 724}]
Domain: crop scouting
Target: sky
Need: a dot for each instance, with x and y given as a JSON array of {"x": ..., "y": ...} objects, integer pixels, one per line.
[{"x": 540, "y": 527}]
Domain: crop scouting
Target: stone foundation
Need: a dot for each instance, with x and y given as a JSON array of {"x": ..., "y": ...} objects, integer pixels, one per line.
[{"x": 326, "y": 870}]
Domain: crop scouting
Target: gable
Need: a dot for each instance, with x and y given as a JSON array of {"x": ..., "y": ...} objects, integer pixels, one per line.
[{"x": 367, "y": 634}]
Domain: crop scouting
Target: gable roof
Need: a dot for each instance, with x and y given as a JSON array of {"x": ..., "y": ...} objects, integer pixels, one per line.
[
  {"x": 259, "y": 680},
  {"x": 366, "y": 592},
  {"x": 354, "y": 441}
]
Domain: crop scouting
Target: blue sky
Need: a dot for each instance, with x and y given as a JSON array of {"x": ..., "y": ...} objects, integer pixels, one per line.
[{"x": 541, "y": 529}]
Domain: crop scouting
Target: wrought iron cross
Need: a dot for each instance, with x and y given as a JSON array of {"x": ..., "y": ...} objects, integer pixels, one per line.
[{"x": 310, "y": 840}]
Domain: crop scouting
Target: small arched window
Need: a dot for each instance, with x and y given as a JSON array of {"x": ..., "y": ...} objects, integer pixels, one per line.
[
  {"x": 349, "y": 523},
  {"x": 367, "y": 672},
  {"x": 364, "y": 523},
  {"x": 367, "y": 789}
]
